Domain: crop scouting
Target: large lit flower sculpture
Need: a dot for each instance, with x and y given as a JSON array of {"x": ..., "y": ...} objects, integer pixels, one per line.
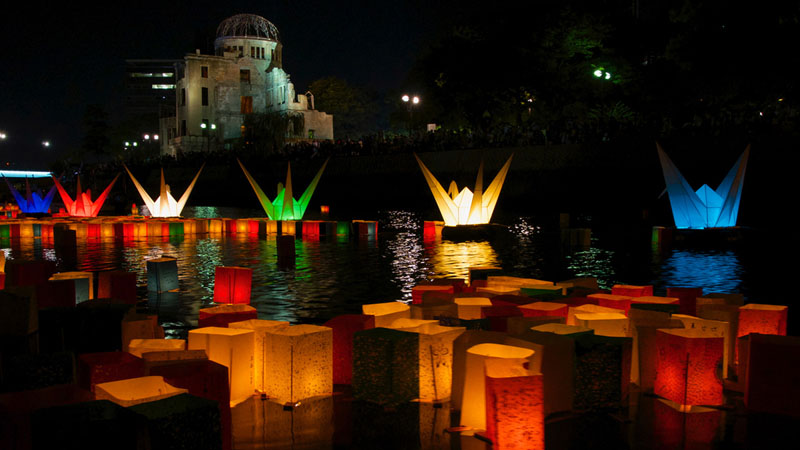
[
  {"x": 32, "y": 202},
  {"x": 466, "y": 207},
  {"x": 165, "y": 205},
  {"x": 83, "y": 206},
  {"x": 704, "y": 208},
  {"x": 285, "y": 207}
]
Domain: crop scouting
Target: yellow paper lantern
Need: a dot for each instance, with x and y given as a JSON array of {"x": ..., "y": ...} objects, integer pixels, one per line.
[
  {"x": 469, "y": 308},
  {"x": 260, "y": 361},
  {"x": 605, "y": 324},
  {"x": 562, "y": 329},
  {"x": 233, "y": 348},
  {"x": 583, "y": 309},
  {"x": 435, "y": 356},
  {"x": 138, "y": 347},
  {"x": 134, "y": 391},
  {"x": 386, "y": 313},
  {"x": 140, "y": 326},
  {"x": 498, "y": 290},
  {"x": 473, "y": 404},
  {"x": 301, "y": 362}
]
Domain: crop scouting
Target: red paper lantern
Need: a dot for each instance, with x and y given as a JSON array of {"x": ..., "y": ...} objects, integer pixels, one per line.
[
  {"x": 55, "y": 294},
  {"x": 344, "y": 328},
  {"x": 514, "y": 405},
  {"x": 118, "y": 285},
  {"x": 687, "y": 366},
  {"x": 542, "y": 309},
  {"x": 772, "y": 374},
  {"x": 696, "y": 427},
  {"x": 95, "y": 368},
  {"x": 621, "y": 302},
  {"x": 418, "y": 290},
  {"x": 632, "y": 291},
  {"x": 498, "y": 316},
  {"x": 221, "y": 316},
  {"x": 687, "y": 298},
  {"x": 232, "y": 284},
  {"x": 762, "y": 319}
]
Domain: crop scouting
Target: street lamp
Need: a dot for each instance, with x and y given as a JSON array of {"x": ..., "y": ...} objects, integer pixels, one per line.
[
  {"x": 46, "y": 143},
  {"x": 3, "y": 135},
  {"x": 411, "y": 102}
]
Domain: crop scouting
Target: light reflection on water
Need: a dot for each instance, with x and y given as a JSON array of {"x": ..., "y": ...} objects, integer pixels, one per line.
[{"x": 336, "y": 275}]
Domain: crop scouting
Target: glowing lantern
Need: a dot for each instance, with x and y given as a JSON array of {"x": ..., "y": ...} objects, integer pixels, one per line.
[
  {"x": 497, "y": 290},
  {"x": 232, "y": 284},
  {"x": 543, "y": 291},
  {"x": 301, "y": 362},
  {"x": 572, "y": 331},
  {"x": 344, "y": 328},
  {"x": 718, "y": 298},
  {"x": 435, "y": 356},
  {"x": 385, "y": 365},
  {"x": 772, "y": 374},
  {"x": 557, "y": 354},
  {"x": 202, "y": 378},
  {"x": 137, "y": 347},
  {"x": 466, "y": 207},
  {"x": 620, "y": 302},
  {"x": 32, "y": 202},
  {"x": 514, "y": 405},
  {"x": 365, "y": 228},
  {"x": 710, "y": 328},
  {"x": 498, "y": 316},
  {"x": 140, "y": 326},
  {"x": 539, "y": 309},
  {"x": 162, "y": 274},
  {"x": 644, "y": 325},
  {"x": 166, "y": 358},
  {"x": 666, "y": 304},
  {"x": 84, "y": 285},
  {"x": 730, "y": 315},
  {"x": 605, "y": 324},
  {"x": 470, "y": 307},
  {"x": 134, "y": 391},
  {"x": 284, "y": 207},
  {"x": 686, "y": 367},
  {"x": 587, "y": 308},
  {"x": 687, "y": 298},
  {"x": 96, "y": 368},
  {"x": 763, "y": 319},
  {"x": 632, "y": 291},
  {"x": 473, "y": 404},
  {"x": 221, "y": 316},
  {"x": 432, "y": 311},
  {"x": 685, "y": 427},
  {"x": 517, "y": 282},
  {"x": 418, "y": 290},
  {"x": 260, "y": 340},
  {"x": 602, "y": 372},
  {"x": 386, "y": 313},
  {"x": 165, "y": 205},
  {"x": 233, "y": 348},
  {"x": 118, "y": 285},
  {"x": 83, "y": 206}
]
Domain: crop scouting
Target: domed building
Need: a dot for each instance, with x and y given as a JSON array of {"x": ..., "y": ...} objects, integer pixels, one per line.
[{"x": 245, "y": 75}]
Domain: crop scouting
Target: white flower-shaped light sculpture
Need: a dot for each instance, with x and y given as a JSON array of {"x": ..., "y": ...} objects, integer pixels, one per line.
[{"x": 165, "y": 205}]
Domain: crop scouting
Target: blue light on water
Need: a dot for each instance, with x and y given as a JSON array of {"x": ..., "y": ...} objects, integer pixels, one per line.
[{"x": 714, "y": 271}]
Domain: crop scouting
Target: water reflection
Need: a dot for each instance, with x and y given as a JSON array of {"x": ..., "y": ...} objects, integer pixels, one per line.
[
  {"x": 453, "y": 259},
  {"x": 593, "y": 262},
  {"x": 714, "y": 271}
]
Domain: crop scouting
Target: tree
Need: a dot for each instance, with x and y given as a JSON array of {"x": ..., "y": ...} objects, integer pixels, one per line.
[
  {"x": 354, "y": 109},
  {"x": 96, "y": 140}
]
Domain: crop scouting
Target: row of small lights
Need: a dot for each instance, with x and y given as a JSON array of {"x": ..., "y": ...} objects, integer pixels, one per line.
[{"x": 146, "y": 137}]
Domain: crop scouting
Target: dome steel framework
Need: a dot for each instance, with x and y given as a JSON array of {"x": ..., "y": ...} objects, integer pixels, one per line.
[{"x": 248, "y": 25}]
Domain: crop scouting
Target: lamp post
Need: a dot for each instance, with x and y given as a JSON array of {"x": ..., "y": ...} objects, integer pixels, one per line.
[{"x": 411, "y": 102}]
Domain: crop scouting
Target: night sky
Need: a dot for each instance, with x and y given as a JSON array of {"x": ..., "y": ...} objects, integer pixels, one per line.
[{"x": 59, "y": 57}]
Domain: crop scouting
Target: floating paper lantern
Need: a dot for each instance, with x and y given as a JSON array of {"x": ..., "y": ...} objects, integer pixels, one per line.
[
  {"x": 470, "y": 307},
  {"x": 165, "y": 205},
  {"x": 543, "y": 291},
  {"x": 763, "y": 319},
  {"x": 719, "y": 298},
  {"x": 517, "y": 282},
  {"x": 644, "y": 325},
  {"x": 140, "y": 326},
  {"x": 233, "y": 348},
  {"x": 685, "y": 427},
  {"x": 557, "y": 354},
  {"x": 134, "y": 391},
  {"x": 514, "y": 405},
  {"x": 118, "y": 285},
  {"x": 473, "y": 404},
  {"x": 687, "y": 298},
  {"x": 772, "y": 374},
  {"x": 620, "y": 302},
  {"x": 466, "y": 207},
  {"x": 232, "y": 284},
  {"x": 386, "y": 313},
  {"x": 260, "y": 329},
  {"x": 653, "y": 303},
  {"x": 686, "y": 369},
  {"x": 301, "y": 362},
  {"x": 28, "y": 273},
  {"x": 539, "y": 309},
  {"x": 344, "y": 328},
  {"x": 605, "y": 324},
  {"x": 56, "y": 294},
  {"x": 632, "y": 291},
  {"x": 167, "y": 358},
  {"x": 137, "y": 347},
  {"x": 162, "y": 274},
  {"x": 284, "y": 207},
  {"x": 83, "y": 206},
  {"x": 586, "y": 308},
  {"x": 602, "y": 372},
  {"x": 222, "y": 315},
  {"x": 519, "y": 326},
  {"x": 385, "y": 366},
  {"x": 174, "y": 421},
  {"x": 96, "y": 368},
  {"x": 498, "y": 316},
  {"x": 710, "y": 328},
  {"x": 572, "y": 331},
  {"x": 730, "y": 315},
  {"x": 418, "y": 290},
  {"x": 84, "y": 284},
  {"x": 705, "y": 207},
  {"x": 513, "y": 300},
  {"x": 434, "y": 311},
  {"x": 435, "y": 356}
]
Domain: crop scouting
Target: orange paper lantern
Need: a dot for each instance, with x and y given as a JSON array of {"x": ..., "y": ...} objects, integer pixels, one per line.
[
  {"x": 538, "y": 309},
  {"x": 134, "y": 391},
  {"x": 233, "y": 348},
  {"x": 221, "y": 316},
  {"x": 686, "y": 368},
  {"x": 514, "y": 405},
  {"x": 386, "y": 313},
  {"x": 344, "y": 328},
  {"x": 621, "y": 302},
  {"x": 632, "y": 291}
]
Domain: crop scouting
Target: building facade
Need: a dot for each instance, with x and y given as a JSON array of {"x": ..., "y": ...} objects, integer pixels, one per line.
[{"x": 213, "y": 93}]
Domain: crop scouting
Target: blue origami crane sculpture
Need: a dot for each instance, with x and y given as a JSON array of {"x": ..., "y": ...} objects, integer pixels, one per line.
[
  {"x": 704, "y": 208},
  {"x": 32, "y": 202}
]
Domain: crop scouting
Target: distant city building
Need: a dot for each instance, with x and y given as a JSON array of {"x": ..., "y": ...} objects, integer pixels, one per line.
[
  {"x": 213, "y": 93},
  {"x": 149, "y": 89}
]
